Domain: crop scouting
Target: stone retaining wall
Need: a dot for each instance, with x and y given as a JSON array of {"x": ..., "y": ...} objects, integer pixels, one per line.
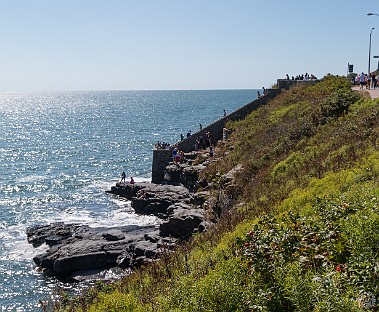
[
  {"x": 162, "y": 157},
  {"x": 216, "y": 128}
]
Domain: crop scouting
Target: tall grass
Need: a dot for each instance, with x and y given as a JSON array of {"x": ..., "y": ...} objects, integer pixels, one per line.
[{"x": 303, "y": 233}]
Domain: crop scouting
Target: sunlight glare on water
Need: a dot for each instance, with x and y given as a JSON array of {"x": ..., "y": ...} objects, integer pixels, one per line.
[{"x": 60, "y": 152}]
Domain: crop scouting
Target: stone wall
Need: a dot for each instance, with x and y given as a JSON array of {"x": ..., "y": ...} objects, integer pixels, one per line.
[
  {"x": 216, "y": 128},
  {"x": 162, "y": 157}
]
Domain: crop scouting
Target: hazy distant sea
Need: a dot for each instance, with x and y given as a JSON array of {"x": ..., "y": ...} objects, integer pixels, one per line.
[{"x": 60, "y": 151}]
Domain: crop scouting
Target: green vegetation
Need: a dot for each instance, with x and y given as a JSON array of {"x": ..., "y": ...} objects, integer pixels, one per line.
[{"x": 305, "y": 233}]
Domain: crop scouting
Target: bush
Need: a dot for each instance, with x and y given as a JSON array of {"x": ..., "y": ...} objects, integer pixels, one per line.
[
  {"x": 116, "y": 302},
  {"x": 309, "y": 199}
]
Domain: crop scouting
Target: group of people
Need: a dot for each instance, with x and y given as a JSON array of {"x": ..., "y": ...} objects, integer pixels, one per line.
[
  {"x": 370, "y": 81},
  {"x": 202, "y": 143},
  {"x": 189, "y": 133},
  {"x": 162, "y": 145},
  {"x": 259, "y": 95},
  {"x": 305, "y": 76},
  {"x": 177, "y": 156},
  {"x": 123, "y": 178}
]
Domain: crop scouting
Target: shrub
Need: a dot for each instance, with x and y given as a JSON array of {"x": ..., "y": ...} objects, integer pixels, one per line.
[
  {"x": 309, "y": 201},
  {"x": 116, "y": 302}
]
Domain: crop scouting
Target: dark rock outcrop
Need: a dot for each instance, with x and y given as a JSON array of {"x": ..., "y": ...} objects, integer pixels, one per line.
[
  {"x": 39, "y": 235},
  {"x": 156, "y": 199},
  {"x": 184, "y": 174},
  {"x": 79, "y": 248},
  {"x": 183, "y": 222},
  {"x": 88, "y": 248},
  {"x": 79, "y": 251},
  {"x": 175, "y": 204}
]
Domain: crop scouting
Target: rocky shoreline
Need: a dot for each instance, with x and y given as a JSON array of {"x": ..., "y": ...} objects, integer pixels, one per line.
[{"x": 73, "y": 248}]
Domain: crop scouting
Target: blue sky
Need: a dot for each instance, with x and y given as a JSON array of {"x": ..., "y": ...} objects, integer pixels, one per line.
[{"x": 173, "y": 44}]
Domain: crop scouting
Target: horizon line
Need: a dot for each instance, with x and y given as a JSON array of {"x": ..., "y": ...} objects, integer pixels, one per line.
[{"x": 121, "y": 90}]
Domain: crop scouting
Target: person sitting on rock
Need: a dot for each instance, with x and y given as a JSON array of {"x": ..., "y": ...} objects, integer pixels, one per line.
[{"x": 131, "y": 180}]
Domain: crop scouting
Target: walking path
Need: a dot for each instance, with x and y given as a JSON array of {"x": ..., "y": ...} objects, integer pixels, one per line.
[{"x": 374, "y": 93}]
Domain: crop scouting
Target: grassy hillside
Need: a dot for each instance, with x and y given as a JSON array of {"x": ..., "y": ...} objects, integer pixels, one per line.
[{"x": 304, "y": 234}]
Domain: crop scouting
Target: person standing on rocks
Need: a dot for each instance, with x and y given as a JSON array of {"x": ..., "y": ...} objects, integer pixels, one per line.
[
  {"x": 123, "y": 176},
  {"x": 174, "y": 153},
  {"x": 209, "y": 139},
  {"x": 201, "y": 143},
  {"x": 211, "y": 151}
]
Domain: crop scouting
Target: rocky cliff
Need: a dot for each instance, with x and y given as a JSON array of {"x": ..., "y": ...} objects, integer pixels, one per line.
[{"x": 181, "y": 208}]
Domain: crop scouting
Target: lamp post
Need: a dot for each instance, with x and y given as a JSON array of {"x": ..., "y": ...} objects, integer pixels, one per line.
[{"x": 369, "y": 52}]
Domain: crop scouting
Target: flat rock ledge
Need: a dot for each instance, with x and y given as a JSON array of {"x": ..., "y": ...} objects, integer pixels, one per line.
[
  {"x": 178, "y": 208},
  {"x": 73, "y": 248}
]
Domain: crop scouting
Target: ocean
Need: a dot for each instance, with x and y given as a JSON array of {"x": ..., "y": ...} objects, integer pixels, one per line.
[{"x": 60, "y": 152}]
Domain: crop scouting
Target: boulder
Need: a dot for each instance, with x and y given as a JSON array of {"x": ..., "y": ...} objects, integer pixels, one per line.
[
  {"x": 91, "y": 248},
  {"x": 200, "y": 198},
  {"x": 182, "y": 223},
  {"x": 114, "y": 235},
  {"x": 128, "y": 190},
  {"x": 190, "y": 176},
  {"x": 145, "y": 248},
  {"x": 51, "y": 235},
  {"x": 155, "y": 200},
  {"x": 185, "y": 174},
  {"x": 177, "y": 206},
  {"x": 173, "y": 173}
]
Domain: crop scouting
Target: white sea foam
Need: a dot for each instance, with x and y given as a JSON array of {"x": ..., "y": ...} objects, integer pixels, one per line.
[
  {"x": 14, "y": 244},
  {"x": 61, "y": 152},
  {"x": 31, "y": 178}
]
